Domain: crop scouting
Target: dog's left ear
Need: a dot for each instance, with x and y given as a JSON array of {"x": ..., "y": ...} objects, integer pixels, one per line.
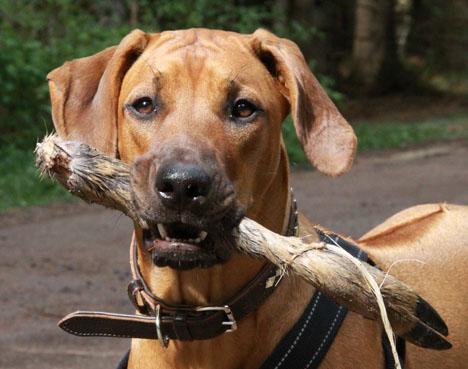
[{"x": 326, "y": 137}]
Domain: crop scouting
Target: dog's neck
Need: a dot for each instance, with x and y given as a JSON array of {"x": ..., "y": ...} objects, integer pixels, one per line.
[{"x": 215, "y": 285}]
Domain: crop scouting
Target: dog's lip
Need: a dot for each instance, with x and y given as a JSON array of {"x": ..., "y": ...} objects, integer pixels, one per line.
[{"x": 174, "y": 246}]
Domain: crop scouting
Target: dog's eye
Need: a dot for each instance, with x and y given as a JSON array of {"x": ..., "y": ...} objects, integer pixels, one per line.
[
  {"x": 144, "y": 106},
  {"x": 243, "y": 109}
]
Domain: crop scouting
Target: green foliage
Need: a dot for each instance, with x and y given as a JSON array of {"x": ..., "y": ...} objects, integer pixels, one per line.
[
  {"x": 37, "y": 36},
  {"x": 20, "y": 184},
  {"x": 204, "y": 13}
]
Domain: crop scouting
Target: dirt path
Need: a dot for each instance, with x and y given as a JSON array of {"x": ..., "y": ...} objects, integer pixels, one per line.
[{"x": 58, "y": 259}]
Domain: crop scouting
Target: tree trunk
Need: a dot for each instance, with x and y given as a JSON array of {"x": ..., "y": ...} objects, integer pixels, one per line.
[
  {"x": 134, "y": 9},
  {"x": 376, "y": 66}
]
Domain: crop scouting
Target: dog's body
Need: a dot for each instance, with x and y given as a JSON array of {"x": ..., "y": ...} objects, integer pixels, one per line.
[{"x": 209, "y": 105}]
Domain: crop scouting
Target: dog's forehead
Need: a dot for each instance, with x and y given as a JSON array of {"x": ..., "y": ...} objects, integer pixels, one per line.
[
  {"x": 195, "y": 51},
  {"x": 181, "y": 38},
  {"x": 214, "y": 42}
]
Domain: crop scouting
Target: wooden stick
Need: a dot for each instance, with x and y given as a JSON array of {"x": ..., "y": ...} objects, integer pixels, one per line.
[
  {"x": 86, "y": 173},
  {"x": 99, "y": 179}
]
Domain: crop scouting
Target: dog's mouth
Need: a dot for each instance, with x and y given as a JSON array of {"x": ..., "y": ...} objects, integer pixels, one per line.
[
  {"x": 184, "y": 246},
  {"x": 185, "y": 227},
  {"x": 181, "y": 233}
]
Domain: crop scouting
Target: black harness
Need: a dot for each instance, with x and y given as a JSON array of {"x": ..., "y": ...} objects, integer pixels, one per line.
[{"x": 307, "y": 343}]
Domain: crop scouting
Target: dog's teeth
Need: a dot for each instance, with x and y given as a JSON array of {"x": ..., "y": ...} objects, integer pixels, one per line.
[
  {"x": 162, "y": 231},
  {"x": 197, "y": 240},
  {"x": 202, "y": 235}
]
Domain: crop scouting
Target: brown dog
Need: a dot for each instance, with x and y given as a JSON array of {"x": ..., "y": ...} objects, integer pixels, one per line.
[{"x": 199, "y": 112}]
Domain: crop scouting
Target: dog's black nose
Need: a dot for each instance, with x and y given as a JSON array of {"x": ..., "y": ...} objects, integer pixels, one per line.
[{"x": 182, "y": 185}]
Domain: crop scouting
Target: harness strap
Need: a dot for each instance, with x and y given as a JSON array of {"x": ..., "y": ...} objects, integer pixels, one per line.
[{"x": 305, "y": 345}]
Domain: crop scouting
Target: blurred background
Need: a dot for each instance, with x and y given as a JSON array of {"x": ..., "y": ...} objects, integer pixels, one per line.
[{"x": 397, "y": 68}]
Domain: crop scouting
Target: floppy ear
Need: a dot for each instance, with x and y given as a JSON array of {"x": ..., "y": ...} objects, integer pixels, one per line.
[
  {"x": 326, "y": 137},
  {"x": 84, "y": 93}
]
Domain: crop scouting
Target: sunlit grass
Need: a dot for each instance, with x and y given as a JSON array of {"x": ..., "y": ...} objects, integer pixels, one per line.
[{"x": 391, "y": 135}]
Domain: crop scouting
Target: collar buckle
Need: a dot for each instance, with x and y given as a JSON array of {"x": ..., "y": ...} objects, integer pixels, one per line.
[
  {"x": 231, "y": 322},
  {"x": 163, "y": 339}
]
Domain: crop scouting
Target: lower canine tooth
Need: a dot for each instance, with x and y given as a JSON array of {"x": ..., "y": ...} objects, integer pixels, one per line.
[{"x": 162, "y": 231}]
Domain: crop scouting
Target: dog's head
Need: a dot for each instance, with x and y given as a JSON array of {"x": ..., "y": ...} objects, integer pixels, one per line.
[{"x": 199, "y": 114}]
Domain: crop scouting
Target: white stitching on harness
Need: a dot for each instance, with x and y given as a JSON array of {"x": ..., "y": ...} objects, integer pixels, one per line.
[
  {"x": 319, "y": 294},
  {"x": 329, "y": 329},
  {"x": 325, "y": 338}
]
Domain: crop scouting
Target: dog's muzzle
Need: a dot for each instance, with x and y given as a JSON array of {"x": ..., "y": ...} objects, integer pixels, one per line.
[{"x": 190, "y": 207}]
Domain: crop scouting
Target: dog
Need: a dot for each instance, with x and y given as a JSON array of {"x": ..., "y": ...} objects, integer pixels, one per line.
[{"x": 199, "y": 112}]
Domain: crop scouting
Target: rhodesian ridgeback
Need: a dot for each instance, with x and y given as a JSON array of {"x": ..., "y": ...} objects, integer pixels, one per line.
[{"x": 198, "y": 112}]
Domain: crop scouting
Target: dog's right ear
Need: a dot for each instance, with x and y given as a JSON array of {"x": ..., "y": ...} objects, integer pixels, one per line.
[
  {"x": 85, "y": 92},
  {"x": 326, "y": 137}
]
